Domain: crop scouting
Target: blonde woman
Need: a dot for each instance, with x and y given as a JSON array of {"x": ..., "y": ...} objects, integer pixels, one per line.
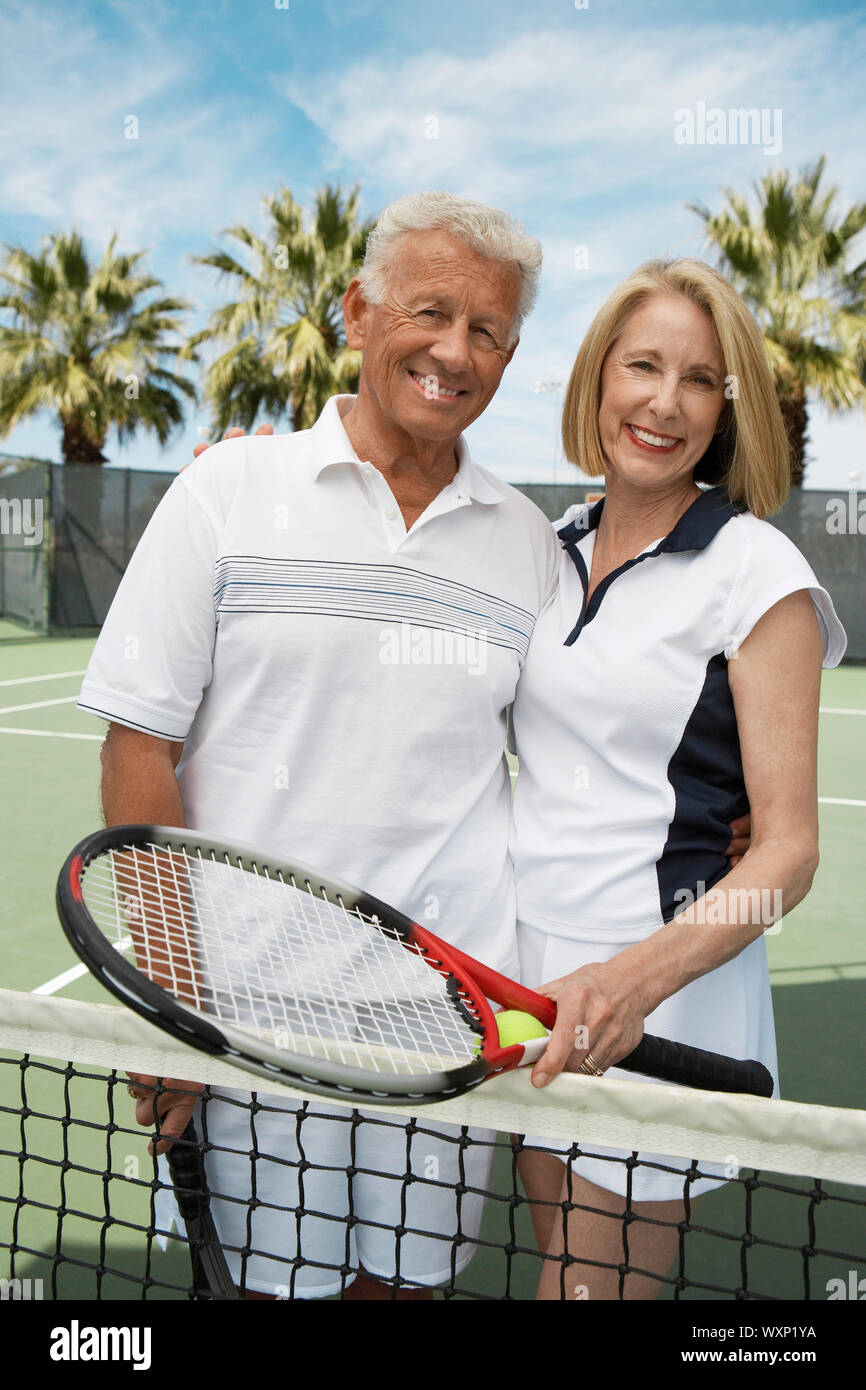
[{"x": 671, "y": 685}]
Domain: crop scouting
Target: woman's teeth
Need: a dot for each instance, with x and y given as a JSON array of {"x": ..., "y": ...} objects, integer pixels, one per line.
[{"x": 659, "y": 441}]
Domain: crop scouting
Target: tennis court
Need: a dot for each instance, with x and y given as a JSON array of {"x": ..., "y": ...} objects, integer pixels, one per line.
[{"x": 49, "y": 755}]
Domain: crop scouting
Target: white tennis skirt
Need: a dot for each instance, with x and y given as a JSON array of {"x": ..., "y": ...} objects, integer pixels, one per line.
[{"x": 729, "y": 1010}]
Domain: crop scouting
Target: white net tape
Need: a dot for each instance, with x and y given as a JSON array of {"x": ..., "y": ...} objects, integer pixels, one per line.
[{"x": 773, "y": 1135}]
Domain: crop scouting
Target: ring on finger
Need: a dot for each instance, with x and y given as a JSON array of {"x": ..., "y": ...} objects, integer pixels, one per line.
[{"x": 590, "y": 1066}]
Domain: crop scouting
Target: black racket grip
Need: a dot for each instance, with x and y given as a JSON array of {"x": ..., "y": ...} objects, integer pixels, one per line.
[
  {"x": 692, "y": 1066},
  {"x": 187, "y": 1175},
  {"x": 211, "y": 1277}
]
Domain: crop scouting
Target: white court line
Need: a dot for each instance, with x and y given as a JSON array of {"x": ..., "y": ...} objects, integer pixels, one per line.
[
  {"x": 75, "y": 972},
  {"x": 39, "y": 704},
  {"x": 51, "y": 986},
  {"x": 29, "y": 680},
  {"x": 830, "y": 709},
  {"x": 47, "y": 733}
]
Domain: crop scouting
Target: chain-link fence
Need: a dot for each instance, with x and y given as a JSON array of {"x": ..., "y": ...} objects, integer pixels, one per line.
[{"x": 67, "y": 533}]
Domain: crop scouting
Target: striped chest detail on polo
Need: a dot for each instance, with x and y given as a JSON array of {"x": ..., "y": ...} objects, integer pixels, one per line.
[{"x": 378, "y": 593}]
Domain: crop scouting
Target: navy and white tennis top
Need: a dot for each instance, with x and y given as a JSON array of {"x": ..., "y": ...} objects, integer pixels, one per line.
[{"x": 630, "y": 767}]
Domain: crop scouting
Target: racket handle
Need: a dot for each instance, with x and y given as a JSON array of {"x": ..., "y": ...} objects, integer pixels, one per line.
[
  {"x": 187, "y": 1175},
  {"x": 692, "y": 1066},
  {"x": 210, "y": 1273}
]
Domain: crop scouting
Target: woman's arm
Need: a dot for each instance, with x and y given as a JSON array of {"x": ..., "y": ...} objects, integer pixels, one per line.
[{"x": 775, "y": 681}]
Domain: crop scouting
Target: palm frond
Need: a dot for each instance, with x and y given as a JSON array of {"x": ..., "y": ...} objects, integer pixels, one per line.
[
  {"x": 283, "y": 335},
  {"x": 78, "y": 329},
  {"x": 787, "y": 254}
]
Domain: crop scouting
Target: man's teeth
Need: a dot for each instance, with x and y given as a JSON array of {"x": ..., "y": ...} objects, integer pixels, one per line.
[
  {"x": 432, "y": 387},
  {"x": 661, "y": 441}
]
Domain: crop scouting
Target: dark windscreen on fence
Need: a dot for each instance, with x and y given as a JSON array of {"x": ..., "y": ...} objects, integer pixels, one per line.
[
  {"x": 24, "y": 552},
  {"x": 829, "y": 528},
  {"x": 98, "y": 517}
]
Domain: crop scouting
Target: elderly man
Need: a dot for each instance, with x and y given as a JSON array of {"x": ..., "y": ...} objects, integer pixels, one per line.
[{"x": 313, "y": 650}]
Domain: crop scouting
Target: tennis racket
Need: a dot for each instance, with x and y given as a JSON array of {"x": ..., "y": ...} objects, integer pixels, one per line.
[{"x": 293, "y": 975}]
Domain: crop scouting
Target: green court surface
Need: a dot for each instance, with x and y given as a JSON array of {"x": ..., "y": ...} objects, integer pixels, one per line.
[{"x": 49, "y": 754}]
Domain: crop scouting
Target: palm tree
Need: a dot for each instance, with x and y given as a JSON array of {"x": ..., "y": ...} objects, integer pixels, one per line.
[
  {"x": 287, "y": 349},
  {"x": 788, "y": 257},
  {"x": 84, "y": 345}
]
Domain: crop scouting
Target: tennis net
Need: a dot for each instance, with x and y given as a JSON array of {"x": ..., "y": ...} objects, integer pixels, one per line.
[{"x": 87, "y": 1213}]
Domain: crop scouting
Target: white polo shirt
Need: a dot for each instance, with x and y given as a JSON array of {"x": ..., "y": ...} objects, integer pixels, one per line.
[
  {"x": 630, "y": 767},
  {"x": 341, "y": 685}
]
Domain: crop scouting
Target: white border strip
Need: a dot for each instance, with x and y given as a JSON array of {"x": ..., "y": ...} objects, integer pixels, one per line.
[
  {"x": 49, "y": 733},
  {"x": 75, "y": 972},
  {"x": 61, "y": 981},
  {"x": 32, "y": 680},
  {"x": 39, "y": 704}
]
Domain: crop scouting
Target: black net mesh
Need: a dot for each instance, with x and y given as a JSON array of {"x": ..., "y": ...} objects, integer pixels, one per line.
[{"x": 87, "y": 1213}]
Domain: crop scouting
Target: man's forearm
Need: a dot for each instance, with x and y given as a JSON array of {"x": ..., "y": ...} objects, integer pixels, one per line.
[{"x": 139, "y": 785}]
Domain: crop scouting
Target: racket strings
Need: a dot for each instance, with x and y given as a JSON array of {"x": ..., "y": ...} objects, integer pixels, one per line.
[{"x": 276, "y": 957}]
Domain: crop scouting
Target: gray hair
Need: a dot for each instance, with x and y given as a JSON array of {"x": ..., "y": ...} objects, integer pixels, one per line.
[{"x": 487, "y": 230}]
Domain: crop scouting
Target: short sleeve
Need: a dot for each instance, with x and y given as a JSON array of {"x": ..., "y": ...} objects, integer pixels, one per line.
[
  {"x": 771, "y": 568},
  {"x": 153, "y": 658}
]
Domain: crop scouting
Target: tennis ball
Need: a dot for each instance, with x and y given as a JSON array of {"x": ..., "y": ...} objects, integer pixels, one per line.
[{"x": 517, "y": 1027}]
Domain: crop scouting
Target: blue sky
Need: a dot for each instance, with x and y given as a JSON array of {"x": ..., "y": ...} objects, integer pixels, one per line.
[{"x": 563, "y": 114}]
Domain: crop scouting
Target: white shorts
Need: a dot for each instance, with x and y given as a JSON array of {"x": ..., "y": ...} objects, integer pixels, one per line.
[
  {"x": 325, "y": 1219},
  {"x": 728, "y": 1010}
]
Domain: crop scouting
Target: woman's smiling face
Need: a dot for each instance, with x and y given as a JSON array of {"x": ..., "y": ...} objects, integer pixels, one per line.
[{"x": 662, "y": 392}]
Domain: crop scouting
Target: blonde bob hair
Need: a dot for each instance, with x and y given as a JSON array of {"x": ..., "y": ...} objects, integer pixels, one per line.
[{"x": 749, "y": 454}]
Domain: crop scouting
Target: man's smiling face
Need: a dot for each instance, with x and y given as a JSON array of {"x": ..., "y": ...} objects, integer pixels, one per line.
[{"x": 436, "y": 348}]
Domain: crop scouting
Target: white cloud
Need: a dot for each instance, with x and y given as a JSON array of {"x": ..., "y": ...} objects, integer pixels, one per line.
[
  {"x": 573, "y": 131},
  {"x": 66, "y": 158},
  {"x": 577, "y": 114},
  {"x": 571, "y": 128}
]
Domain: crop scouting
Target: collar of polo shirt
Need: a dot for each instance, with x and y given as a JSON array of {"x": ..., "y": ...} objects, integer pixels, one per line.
[
  {"x": 331, "y": 445},
  {"x": 695, "y": 529}
]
